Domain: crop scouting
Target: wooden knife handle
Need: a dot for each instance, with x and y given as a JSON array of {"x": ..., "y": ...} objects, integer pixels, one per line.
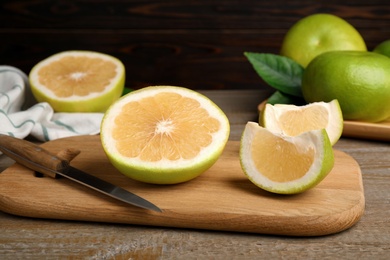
[{"x": 32, "y": 156}]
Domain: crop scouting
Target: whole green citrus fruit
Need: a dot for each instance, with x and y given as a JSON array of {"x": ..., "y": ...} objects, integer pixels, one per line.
[
  {"x": 383, "y": 48},
  {"x": 359, "y": 80},
  {"x": 319, "y": 33}
]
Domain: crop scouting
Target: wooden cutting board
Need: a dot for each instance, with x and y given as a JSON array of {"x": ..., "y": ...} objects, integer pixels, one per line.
[{"x": 222, "y": 198}]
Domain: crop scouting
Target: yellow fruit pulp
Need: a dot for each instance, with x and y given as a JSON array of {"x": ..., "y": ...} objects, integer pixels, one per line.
[
  {"x": 77, "y": 76},
  {"x": 285, "y": 164},
  {"x": 294, "y": 120},
  {"x": 310, "y": 118},
  {"x": 165, "y": 126},
  {"x": 78, "y": 81},
  {"x": 285, "y": 160},
  {"x": 164, "y": 134}
]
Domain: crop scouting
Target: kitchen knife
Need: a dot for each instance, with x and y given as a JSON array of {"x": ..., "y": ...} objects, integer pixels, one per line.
[{"x": 38, "y": 159}]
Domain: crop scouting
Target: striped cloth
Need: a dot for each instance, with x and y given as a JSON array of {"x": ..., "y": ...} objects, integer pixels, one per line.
[{"x": 21, "y": 115}]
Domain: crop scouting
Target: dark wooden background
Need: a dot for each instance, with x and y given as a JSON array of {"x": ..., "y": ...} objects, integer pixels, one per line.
[{"x": 197, "y": 44}]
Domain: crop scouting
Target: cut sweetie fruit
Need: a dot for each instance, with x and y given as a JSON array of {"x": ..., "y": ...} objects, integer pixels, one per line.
[
  {"x": 78, "y": 81},
  {"x": 293, "y": 120},
  {"x": 285, "y": 164},
  {"x": 164, "y": 134}
]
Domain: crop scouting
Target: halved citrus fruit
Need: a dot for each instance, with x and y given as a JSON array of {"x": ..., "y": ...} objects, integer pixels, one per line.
[
  {"x": 293, "y": 120},
  {"x": 78, "y": 81},
  {"x": 164, "y": 134},
  {"x": 285, "y": 164}
]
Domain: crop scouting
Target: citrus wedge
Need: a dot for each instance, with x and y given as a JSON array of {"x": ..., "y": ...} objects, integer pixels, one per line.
[
  {"x": 78, "y": 81},
  {"x": 285, "y": 164},
  {"x": 164, "y": 134},
  {"x": 293, "y": 120}
]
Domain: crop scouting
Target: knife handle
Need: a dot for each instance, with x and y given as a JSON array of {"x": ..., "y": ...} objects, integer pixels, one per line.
[{"x": 32, "y": 156}]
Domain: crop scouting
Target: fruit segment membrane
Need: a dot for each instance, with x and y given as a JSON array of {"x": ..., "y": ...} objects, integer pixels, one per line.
[{"x": 165, "y": 126}]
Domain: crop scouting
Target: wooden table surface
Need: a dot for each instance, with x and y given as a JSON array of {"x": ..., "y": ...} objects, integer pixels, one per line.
[{"x": 26, "y": 238}]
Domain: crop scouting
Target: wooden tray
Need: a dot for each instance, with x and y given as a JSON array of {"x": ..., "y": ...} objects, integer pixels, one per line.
[
  {"x": 374, "y": 131},
  {"x": 222, "y": 198},
  {"x": 357, "y": 129}
]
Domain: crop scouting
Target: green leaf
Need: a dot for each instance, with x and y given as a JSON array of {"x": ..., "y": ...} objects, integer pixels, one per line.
[
  {"x": 282, "y": 98},
  {"x": 281, "y": 73},
  {"x": 126, "y": 91}
]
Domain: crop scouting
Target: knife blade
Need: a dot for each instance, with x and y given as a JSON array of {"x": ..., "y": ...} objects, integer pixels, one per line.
[{"x": 38, "y": 159}]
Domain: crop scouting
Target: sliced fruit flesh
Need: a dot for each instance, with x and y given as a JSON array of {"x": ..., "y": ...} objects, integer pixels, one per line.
[
  {"x": 165, "y": 126},
  {"x": 310, "y": 118},
  {"x": 285, "y": 161},
  {"x": 77, "y": 75}
]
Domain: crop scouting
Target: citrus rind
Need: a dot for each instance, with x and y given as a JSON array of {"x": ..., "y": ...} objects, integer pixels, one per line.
[
  {"x": 319, "y": 33},
  {"x": 95, "y": 101},
  {"x": 360, "y": 81},
  {"x": 164, "y": 171},
  {"x": 383, "y": 48},
  {"x": 322, "y": 164}
]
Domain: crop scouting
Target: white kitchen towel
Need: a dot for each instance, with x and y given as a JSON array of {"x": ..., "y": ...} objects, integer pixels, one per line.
[{"x": 21, "y": 115}]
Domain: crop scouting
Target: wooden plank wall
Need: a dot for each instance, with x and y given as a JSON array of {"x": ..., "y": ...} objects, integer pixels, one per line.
[{"x": 196, "y": 43}]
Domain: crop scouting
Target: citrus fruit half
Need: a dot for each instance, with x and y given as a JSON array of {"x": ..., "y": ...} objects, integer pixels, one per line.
[
  {"x": 359, "y": 80},
  {"x": 164, "y": 134},
  {"x": 293, "y": 120},
  {"x": 284, "y": 164},
  {"x": 78, "y": 81},
  {"x": 319, "y": 33}
]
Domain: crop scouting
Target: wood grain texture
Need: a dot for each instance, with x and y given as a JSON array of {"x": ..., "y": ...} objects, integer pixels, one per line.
[
  {"x": 34, "y": 238},
  {"x": 222, "y": 198},
  {"x": 172, "y": 42},
  {"x": 375, "y": 131}
]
